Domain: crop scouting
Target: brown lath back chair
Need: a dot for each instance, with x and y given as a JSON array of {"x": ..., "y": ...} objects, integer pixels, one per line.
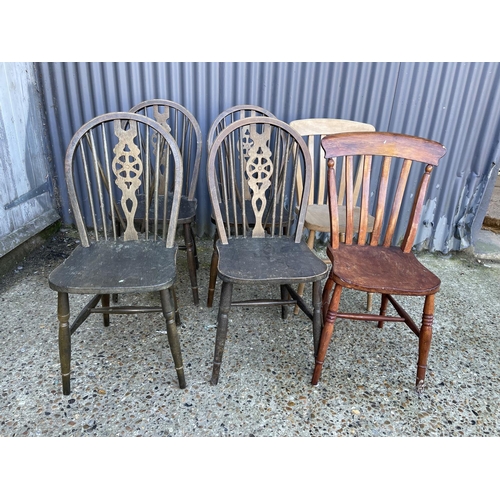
[{"x": 378, "y": 262}]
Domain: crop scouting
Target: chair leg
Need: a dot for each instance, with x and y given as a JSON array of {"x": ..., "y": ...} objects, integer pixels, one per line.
[
  {"x": 327, "y": 333},
  {"x": 213, "y": 274},
  {"x": 173, "y": 335},
  {"x": 64, "y": 340},
  {"x": 300, "y": 288},
  {"x": 284, "y": 296},
  {"x": 105, "y": 303},
  {"x": 118, "y": 229},
  {"x": 178, "y": 321},
  {"x": 317, "y": 319},
  {"x": 424, "y": 341},
  {"x": 369, "y": 301},
  {"x": 195, "y": 249},
  {"x": 383, "y": 308},
  {"x": 326, "y": 296},
  {"x": 188, "y": 240},
  {"x": 222, "y": 322}
]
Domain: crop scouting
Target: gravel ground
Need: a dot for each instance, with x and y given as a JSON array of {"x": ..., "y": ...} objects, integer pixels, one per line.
[{"x": 123, "y": 384}]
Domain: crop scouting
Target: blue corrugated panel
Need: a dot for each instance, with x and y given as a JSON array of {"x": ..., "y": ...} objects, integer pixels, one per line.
[{"x": 453, "y": 103}]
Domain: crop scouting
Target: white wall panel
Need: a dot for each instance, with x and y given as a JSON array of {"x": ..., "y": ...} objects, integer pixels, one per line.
[{"x": 26, "y": 206}]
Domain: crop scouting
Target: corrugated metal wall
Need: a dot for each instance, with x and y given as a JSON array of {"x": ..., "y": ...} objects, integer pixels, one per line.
[{"x": 456, "y": 104}]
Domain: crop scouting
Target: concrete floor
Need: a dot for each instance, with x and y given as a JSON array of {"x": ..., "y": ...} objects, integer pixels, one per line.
[
  {"x": 493, "y": 211},
  {"x": 491, "y": 220},
  {"x": 124, "y": 384}
]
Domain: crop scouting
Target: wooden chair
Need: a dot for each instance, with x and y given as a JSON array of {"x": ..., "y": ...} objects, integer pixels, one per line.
[
  {"x": 318, "y": 216},
  {"x": 373, "y": 262},
  {"x": 182, "y": 125},
  {"x": 262, "y": 244},
  {"x": 106, "y": 167},
  {"x": 224, "y": 119}
]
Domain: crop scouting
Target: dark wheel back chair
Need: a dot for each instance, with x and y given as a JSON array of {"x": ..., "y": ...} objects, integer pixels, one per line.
[
  {"x": 107, "y": 166},
  {"x": 264, "y": 245},
  {"x": 224, "y": 119},
  {"x": 371, "y": 261},
  {"x": 184, "y": 128}
]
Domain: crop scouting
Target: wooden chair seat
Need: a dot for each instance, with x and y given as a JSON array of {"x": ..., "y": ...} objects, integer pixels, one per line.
[
  {"x": 187, "y": 215},
  {"x": 318, "y": 219},
  {"x": 381, "y": 269},
  {"x": 270, "y": 260},
  {"x": 108, "y": 267}
]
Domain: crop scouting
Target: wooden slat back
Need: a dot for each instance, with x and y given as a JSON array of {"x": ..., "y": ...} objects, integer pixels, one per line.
[
  {"x": 394, "y": 176},
  {"x": 333, "y": 203},
  {"x": 396, "y": 202},
  {"x": 310, "y": 145},
  {"x": 270, "y": 170},
  {"x": 364, "y": 182},
  {"x": 226, "y": 118},
  {"x": 315, "y": 129},
  {"x": 183, "y": 126},
  {"x": 349, "y": 202},
  {"x": 381, "y": 198},
  {"x": 111, "y": 162}
]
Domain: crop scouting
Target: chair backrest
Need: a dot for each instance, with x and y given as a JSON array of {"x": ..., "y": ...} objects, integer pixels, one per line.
[
  {"x": 232, "y": 114},
  {"x": 184, "y": 128},
  {"x": 314, "y": 129},
  {"x": 269, "y": 167},
  {"x": 391, "y": 165},
  {"x": 110, "y": 161},
  {"x": 229, "y": 116}
]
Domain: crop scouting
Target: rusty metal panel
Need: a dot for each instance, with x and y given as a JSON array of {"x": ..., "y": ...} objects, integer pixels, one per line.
[
  {"x": 26, "y": 206},
  {"x": 453, "y": 103}
]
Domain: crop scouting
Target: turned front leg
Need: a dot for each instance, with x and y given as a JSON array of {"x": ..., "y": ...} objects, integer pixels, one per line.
[
  {"x": 191, "y": 259},
  {"x": 317, "y": 317},
  {"x": 173, "y": 293},
  {"x": 222, "y": 322},
  {"x": 326, "y": 296},
  {"x": 284, "y": 296},
  {"x": 105, "y": 303},
  {"x": 64, "y": 340},
  {"x": 327, "y": 332},
  {"x": 173, "y": 336},
  {"x": 424, "y": 341},
  {"x": 213, "y": 272},
  {"x": 383, "y": 308}
]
